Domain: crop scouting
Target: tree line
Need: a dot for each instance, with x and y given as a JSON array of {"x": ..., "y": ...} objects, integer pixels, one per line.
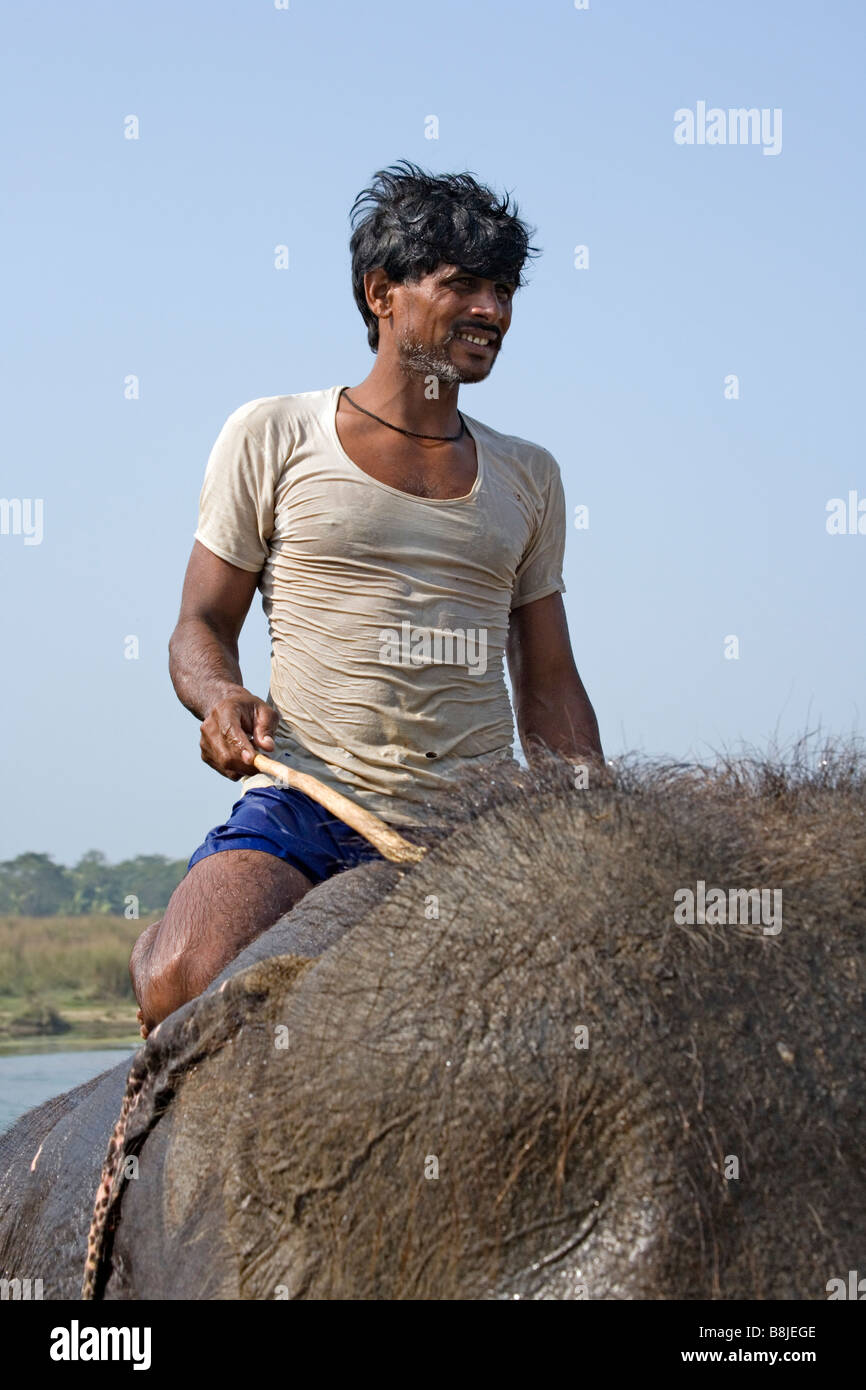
[{"x": 32, "y": 885}]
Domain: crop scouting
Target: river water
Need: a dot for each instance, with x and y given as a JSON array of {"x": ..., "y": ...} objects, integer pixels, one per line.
[{"x": 28, "y": 1079}]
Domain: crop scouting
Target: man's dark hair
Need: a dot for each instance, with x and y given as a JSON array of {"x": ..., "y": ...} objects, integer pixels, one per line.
[{"x": 409, "y": 221}]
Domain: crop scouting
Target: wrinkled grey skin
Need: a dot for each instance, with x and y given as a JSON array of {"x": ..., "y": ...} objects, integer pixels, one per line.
[
  {"x": 418, "y": 1045},
  {"x": 45, "y": 1210}
]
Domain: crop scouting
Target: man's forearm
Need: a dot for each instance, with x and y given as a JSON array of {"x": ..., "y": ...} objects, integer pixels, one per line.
[
  {"x": 203, "y": 665},
  {"x": 563, "y": 720},
  {"x": 235, "y": 723}
]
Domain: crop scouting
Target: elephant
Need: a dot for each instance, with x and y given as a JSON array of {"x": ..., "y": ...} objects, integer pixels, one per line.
[{"x": 603, "y": 1042}]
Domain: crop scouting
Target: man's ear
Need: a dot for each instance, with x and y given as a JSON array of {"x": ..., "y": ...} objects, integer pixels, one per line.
[{"x": 377, "y": 288}]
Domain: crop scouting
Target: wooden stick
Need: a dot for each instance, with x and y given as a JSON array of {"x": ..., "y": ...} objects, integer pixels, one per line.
[{"x": 380, "y": 835}]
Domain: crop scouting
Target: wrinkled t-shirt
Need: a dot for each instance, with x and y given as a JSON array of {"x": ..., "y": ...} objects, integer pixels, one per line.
[{"x": 388, "y": 613}]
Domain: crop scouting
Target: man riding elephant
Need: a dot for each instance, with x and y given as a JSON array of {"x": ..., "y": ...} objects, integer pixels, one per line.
[{"x": 401, "y": 549}]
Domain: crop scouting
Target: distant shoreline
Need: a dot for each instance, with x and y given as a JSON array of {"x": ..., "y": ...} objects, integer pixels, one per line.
[
  {"x": 66, "y": 1042},
  {"x": 64, "y": 983}
]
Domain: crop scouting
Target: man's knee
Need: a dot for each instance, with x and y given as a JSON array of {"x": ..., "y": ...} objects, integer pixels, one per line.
[
  {"x": 223, "y": 903},
  {"x": 156, "y": 976},
  {"x": 139, "y": 961}
]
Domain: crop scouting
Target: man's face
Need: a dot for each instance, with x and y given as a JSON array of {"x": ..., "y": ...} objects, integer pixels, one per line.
[{"x": 435, "y": 318}]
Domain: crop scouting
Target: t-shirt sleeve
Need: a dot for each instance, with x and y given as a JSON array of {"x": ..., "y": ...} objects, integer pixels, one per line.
[
  {"x": 236, "y": 507},
  {"x": 540, "y": 570}
]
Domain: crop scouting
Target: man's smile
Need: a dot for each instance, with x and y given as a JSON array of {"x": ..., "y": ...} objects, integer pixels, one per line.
[{"x": 478, "y": 339}]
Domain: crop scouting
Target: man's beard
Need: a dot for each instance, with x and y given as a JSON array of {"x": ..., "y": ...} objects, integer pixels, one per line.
[{"x": 421, "y": 359}]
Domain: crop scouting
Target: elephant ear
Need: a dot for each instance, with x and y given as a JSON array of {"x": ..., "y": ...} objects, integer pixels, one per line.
[{"x": 197, "y": 1031}]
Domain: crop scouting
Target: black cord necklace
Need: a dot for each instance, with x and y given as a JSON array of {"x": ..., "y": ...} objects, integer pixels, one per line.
[{"x": 441, "y": 438}]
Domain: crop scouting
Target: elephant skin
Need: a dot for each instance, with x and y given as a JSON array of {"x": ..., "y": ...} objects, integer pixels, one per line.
[{"x": 505, "y": 1072}]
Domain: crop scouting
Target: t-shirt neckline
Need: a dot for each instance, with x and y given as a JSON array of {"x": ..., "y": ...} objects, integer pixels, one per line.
[{"x": 398, "y": 492}]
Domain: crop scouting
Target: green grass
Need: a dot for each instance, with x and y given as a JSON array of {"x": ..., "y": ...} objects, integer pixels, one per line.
[{"x": 75, "y": 967}]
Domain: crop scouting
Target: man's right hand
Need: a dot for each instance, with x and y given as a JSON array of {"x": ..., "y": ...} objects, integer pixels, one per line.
[{"x": 238, "y": 726}]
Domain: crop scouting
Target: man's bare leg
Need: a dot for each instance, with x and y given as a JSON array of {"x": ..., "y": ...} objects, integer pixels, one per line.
[{"x": 224, "y": 903}]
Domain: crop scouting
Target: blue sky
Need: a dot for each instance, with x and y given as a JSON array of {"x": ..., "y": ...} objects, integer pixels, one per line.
[{"x": 155, "y": 257}]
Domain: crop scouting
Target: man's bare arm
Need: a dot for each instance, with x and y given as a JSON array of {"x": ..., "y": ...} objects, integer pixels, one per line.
[
  {"x": 173, "y": 960},
  {"x": 203, "y": 663},
  {"x": 551, "y": 704}
]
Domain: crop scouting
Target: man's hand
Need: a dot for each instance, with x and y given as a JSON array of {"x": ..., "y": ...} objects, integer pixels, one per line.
[{"x": 238, "y": 726}]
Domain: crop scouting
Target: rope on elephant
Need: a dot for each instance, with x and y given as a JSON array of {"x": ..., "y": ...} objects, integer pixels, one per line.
[
  {"x": 198, "y": 1030},
  {"x": 111, "y": 1180}
]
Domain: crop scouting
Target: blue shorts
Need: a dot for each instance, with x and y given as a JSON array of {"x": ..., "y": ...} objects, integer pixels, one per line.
[{"x": 291, "y": 825}]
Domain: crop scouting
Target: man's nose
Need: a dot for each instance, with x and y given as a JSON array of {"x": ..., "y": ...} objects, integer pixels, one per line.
[{"x": 485, "y": 302}]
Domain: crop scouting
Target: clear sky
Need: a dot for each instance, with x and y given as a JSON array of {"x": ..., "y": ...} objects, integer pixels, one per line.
[{"x": 154, "y": 258}]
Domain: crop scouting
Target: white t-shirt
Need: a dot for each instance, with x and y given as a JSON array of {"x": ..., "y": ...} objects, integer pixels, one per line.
[{"x": 388, "y": 613}]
